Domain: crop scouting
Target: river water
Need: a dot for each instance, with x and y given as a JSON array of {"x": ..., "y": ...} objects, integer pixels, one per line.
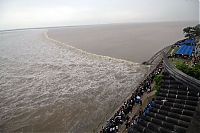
[
  {"x": 49, "y": 87},
  {"x": 136, "y": 42}
]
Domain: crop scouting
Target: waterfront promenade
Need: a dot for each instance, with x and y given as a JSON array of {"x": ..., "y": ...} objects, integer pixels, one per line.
[{"x": 167, "y": 110}]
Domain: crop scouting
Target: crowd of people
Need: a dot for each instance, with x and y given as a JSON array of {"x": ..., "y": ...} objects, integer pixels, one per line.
[
  {"x": 137, "y": 118},
  {"x": 196, "y": 60},
  {"x": 121, "y": 116}
]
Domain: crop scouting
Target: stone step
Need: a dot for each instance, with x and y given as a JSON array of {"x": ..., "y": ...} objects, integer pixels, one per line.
[
  {"x": 180, "y": 101},
  {"x": 179, "y": 92},
  {"x": 169, "y": 81},
  {"x": 168, "y": 78},
  {"x": 174, "y": 110},
  {"x": 165, "y": 73},
  {"x": 169, "y": 119},
  {"x": 175, "y": 86},
  {"x": 171, "y": 114},
  {"x": 154, "y": 127},
  {"x": 141, "y": 129},
  {"x": 182, "y": 97},
  {"x": 164, "y": 124},
  {"x": 176, "y": 105},
  {"x": 133, "y": 129}
]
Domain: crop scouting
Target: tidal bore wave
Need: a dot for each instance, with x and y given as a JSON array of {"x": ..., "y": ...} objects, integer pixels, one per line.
[{"x": 49, "y": 86}]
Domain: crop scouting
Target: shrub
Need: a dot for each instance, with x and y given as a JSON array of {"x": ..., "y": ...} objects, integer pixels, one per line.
[
  {"x": 158, "y": 82},
  {"x": 158, "y": 79},
  {"x": 191, "y": 71}
]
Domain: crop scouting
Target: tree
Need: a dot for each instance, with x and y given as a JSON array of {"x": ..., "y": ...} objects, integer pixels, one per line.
[
  {"x": 192, "y": 31},
  {"x": 191, "y": 71}
]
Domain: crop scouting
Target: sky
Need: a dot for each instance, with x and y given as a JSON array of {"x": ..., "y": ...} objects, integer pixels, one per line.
[{"x": 16, "y": 14}]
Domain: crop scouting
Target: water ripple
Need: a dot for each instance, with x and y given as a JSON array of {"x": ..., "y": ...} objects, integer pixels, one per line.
[{"x": 47, "y": 86}]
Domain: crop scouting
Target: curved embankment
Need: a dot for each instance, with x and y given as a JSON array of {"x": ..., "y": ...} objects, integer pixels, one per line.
[{"x": 156, "y": 55}]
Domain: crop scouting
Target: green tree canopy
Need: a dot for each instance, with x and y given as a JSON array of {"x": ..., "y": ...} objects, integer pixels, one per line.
[
  {"x": 192, "y": 31},
  {"x": 191, "y": 71}
]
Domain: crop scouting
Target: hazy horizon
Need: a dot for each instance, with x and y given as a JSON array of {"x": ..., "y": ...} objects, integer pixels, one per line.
[
  {"x": 33, "y": 14},
  {"x": 66, "y": 26}
]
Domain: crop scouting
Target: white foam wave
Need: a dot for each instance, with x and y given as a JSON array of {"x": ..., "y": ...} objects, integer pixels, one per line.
[{"x": 46, "y": 85}]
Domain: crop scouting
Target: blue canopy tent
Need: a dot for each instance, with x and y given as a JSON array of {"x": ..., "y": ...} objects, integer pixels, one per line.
[
  {"x": 188, "y": 42},
  {"x": 188, "y": 47},
  {"x": 185, "y": 50}
]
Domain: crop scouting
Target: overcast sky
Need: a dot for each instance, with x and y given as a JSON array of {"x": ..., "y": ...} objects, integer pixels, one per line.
[{"x": 43, "y": 13}]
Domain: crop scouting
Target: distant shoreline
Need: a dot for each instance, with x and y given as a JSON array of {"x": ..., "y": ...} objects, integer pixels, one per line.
[{"x": 63, "y": 26}]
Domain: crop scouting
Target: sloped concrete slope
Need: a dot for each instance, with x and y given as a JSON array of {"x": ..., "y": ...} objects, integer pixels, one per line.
[{"x": 171, "y": 112}]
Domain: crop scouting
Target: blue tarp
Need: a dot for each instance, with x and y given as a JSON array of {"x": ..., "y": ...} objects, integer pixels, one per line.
[
  {"x": 188, "y": 42},
  {"x": 185, "y": 50}
]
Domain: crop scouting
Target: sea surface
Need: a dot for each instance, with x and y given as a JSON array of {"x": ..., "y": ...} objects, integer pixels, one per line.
[{"x": 47, "y": 86}]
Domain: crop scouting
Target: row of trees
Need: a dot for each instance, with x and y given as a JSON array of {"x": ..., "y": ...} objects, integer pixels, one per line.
[
  {"x": 192, "y": 31},
  {"x": 191, "y": 71}
]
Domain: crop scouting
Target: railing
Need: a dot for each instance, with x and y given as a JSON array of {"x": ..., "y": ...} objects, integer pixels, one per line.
[{"x": 179, "y": 75}]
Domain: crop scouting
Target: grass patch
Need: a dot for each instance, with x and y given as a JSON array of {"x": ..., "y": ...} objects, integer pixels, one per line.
[
  {"x": 176, "y": 60},
  {"x": 158, "y": 82},
  {"x": 176, "y": 49},
  {"x": 191, "y": 71}
]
